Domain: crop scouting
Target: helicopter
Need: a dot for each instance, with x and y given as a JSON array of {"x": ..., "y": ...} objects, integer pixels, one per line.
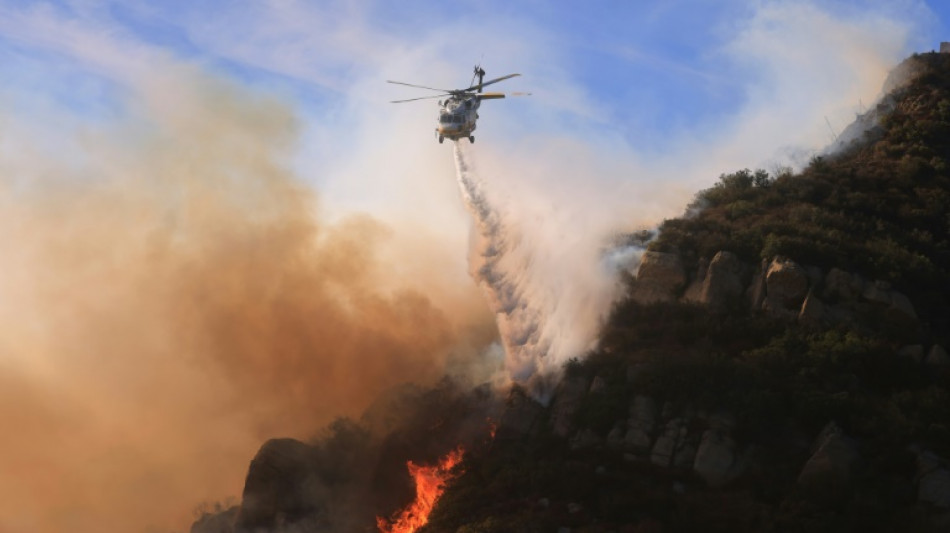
[{"x": 459, "y": 112}]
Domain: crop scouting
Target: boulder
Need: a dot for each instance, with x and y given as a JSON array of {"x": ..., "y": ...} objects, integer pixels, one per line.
[
  {"x": 813, "y": 310},
  {"x": 881, "y": 293},
  {"x": 685, "y": 455},
  {"x": 658, "y": 279},
  {"x": 694, "y": 291},
  {"x": 716, "y": 459},
  {"x": 901, "y": 303},
  {"x": 723, "y": 284},
  {"x": 878, "y": 292},
  {"x": 841, "y": 286},
  {"x": 786, "y": 285},
  {"x": 670, "y": 440},
  {"x": 756, "y": 291},
  {"x": 829, "y": 472},
  {"x": 567, "y": 399},
  {"x": 640, "y": 425}
]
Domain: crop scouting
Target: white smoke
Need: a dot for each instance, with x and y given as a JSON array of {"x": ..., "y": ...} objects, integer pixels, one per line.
[{"x": 542, "y": 321}]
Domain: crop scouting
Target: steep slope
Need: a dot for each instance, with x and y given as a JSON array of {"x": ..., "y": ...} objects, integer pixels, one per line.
[{"x": 779, "y": 364}]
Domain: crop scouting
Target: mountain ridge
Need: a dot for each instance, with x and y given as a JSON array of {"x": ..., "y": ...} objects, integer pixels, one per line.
[{"x": 778, "y": 364}]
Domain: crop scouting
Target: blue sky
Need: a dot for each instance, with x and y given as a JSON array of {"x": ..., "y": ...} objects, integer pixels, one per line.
[{"x": 648, "y": 67}]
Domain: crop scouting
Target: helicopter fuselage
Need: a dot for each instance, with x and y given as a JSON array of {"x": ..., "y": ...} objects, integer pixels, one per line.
[{"x": 457, "y": 117}]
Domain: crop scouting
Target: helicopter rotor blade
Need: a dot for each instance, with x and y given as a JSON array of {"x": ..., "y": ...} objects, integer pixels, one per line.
[
  {"x": 420, "y": 86},
  {"x": 496, "y": 96},
  {"x": 419, "y": 98},
  {"x": 489, "y": 82}
]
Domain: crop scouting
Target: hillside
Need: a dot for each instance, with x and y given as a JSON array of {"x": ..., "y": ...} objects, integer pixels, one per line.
[{"x": 778, "y": 364}]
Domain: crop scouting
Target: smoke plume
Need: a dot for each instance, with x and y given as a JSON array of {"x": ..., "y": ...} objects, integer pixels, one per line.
[{"x": 170, "y": 299}]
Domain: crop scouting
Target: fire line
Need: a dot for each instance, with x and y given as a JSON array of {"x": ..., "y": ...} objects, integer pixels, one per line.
[{"x": 430, "y": 484}]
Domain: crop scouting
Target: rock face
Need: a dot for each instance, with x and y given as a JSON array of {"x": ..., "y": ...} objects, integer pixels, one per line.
[
  {"x": 275, "y": 491},
  {"x": 756, "y": 291},
  {"x": 813, "y": 310},
  {"x": 723, "y": 284},
  {"x": 659, "y": 278},
  {"x": 786, "y": 286},
  {"x": 829, "y": 472},
  {"x": 716, "y": 459}
]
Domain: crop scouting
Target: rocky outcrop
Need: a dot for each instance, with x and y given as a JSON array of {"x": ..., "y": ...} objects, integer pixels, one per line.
[
  {"x": 842, "y": 286},
  {"x": 756, "y": 291},
  {"x": 716, "y": 459},
  {"x": 880, "y": 293},
  {"x": 723, "y": 285},
  {"x": 659, "y": 278},
  {"x": 670, "y": 441},
  {"x": 813, "y": 310},
  {"x": 829, "y": 473},
  {"x": 221, "y": 521},
  {"x": 694, "y": 291},
  {"x": 276, "y": 488},
  {"x": 786, "y": 287}
]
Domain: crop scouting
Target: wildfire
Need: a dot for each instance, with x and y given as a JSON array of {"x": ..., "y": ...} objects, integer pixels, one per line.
[{"x": 430, "y": 484}]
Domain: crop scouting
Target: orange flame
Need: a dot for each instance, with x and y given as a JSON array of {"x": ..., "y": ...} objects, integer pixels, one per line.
[{"x": 430, "y": 484}]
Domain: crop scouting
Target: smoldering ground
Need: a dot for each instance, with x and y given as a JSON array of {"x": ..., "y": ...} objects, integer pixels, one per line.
[{"x": 170, "y": 299}]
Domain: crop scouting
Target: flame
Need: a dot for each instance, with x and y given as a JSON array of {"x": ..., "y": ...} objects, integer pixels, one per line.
[{"x": 430, "y": 484}]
